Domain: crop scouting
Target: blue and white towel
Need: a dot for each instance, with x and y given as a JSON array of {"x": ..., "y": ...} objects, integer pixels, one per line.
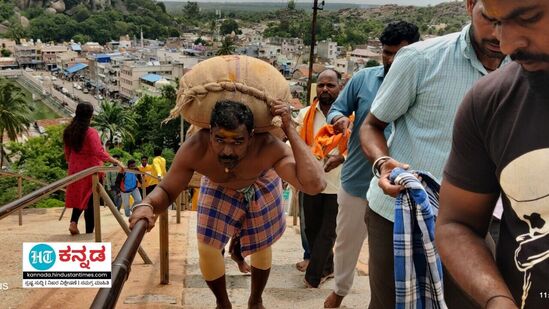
[{"x": 418, "y": 269}]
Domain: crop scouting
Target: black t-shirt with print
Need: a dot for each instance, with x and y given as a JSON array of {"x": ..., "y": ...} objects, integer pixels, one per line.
[{"x": 501, "y": 143}]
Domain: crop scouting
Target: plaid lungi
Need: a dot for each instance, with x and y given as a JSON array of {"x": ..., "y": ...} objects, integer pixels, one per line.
[{"x": 224, "y": 213}]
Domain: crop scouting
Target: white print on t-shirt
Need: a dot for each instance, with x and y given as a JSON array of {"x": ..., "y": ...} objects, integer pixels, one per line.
[{"x": 524, "y": 182}]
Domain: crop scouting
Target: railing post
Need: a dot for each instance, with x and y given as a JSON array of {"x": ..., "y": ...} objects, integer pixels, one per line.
[
  {"x": 164, "y": 248},
  {"x": 143, "y": 188},
  {"x": 178, "y": 208},
  {"x": 96, "y": 209},
  {"x": 122, "y": 222},
  {"x": 19, "y": 195},
  {"x": 186, "y": 200}
]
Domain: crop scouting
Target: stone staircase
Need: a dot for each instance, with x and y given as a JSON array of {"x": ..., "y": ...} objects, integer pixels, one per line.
[{"x": 285, "y": 288}]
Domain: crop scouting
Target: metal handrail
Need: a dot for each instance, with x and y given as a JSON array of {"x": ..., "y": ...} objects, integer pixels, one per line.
[
  {"x": 28, "y": 178},
  {"x": 108, "y": 297},
  {"x": 43, "y": 192}
]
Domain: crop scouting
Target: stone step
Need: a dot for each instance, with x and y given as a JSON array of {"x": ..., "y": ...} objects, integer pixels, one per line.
[{"x": 274, "y": 298}]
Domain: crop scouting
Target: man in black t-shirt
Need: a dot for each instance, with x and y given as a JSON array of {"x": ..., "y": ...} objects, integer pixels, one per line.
[{"x": 501, "y": 145}]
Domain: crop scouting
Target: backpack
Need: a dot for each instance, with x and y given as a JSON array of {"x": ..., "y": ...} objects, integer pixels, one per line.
[{"x": 119, "y": 182}]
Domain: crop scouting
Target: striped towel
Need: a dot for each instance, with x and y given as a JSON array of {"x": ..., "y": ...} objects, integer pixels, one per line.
[{"x": 418, "y": 269}]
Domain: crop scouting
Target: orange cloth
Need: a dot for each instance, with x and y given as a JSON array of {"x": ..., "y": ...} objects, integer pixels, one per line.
[
  {"x": 308, "y": 127},
  {"x": 326, "y": 140}
]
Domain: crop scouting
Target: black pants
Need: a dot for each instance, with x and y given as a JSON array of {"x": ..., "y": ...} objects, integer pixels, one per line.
[
  {"x": 88, "y": 215},
  {"x": 382, "y": 268},
  {"x": 320, "y": 227},
  {"x": 149, "y": 189}
]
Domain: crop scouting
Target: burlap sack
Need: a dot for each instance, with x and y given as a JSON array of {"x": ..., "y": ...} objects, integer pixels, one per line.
[{"x": 238, "y": 78}]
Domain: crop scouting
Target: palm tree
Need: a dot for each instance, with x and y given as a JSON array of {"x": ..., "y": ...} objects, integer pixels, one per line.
[
  {"x": 227, "y": 47},
  {"x": 114, "y": 121},
  {"x": 14, "y": 113}
]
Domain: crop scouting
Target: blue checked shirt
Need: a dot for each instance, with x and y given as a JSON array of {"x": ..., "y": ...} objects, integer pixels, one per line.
[
  {"x": 421, "y": 94},
  {"x": 418, "y": 269}
]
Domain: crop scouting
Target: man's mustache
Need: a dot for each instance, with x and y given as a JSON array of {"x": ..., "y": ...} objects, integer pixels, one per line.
[
  {"x": 228, "y": 158},
  {"x": 495, "y": 42},
  {"x": 526, "y": 56}
]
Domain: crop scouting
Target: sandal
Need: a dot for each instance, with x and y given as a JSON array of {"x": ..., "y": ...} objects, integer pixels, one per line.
[{"x": 73, "y": 228}]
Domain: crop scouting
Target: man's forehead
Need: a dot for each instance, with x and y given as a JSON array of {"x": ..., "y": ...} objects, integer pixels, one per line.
[
  {"x": 503, "y": 8},
  {"x": 328, "y": 76},
  {"x": 225, "y": 133}
]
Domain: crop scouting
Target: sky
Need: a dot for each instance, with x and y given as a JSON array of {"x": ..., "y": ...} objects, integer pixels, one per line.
[{"x": 400, "y": 2}]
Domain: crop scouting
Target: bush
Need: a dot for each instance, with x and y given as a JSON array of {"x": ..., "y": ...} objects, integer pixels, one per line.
[{"x": 50, "y": 203}]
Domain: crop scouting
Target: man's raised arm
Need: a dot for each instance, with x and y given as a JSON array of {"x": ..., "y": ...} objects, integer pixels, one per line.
[{"x": 297, "y": 165}]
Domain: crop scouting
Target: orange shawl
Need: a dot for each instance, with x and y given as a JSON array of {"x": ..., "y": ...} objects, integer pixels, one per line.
[
  {"x": 326, "y": 139},
  {"x": 308, "y": 127}
]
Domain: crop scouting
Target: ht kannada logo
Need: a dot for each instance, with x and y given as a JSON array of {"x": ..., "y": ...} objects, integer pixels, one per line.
[{"x": 42, "y": 257}]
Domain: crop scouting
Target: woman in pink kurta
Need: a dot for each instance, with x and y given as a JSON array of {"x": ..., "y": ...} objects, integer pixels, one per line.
[{"x": 83, "y": 150}]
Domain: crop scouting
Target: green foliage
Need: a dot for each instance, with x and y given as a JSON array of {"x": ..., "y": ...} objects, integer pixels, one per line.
[
  {"x": 50, "y": 203},
  {"x": 81, "y": 38},
  {"x": 200, "y": 41},
  {"x": 41, "y": 157},
  {"x": 100, "y": 26},
  {"x": 6, "y": 10},
  {"x": 115, "y": 122},
  {"x": 14, "y": 112},
  {"x": 5, "y": 52},
  {"x": 227, "y": 47},
  {"x": 33, "y": 12},
  {"x": 150, "y": 112},
  {"x": 81, "y": 13},
  {"x": 16, "y": 31},
  {"x": 291, "y": 5},
  {"x": 228, "y": 26},
  {"x": 191, "y": 9},
  {"x": 372, "y": 63},
  {"x": 53, "y": 27}
]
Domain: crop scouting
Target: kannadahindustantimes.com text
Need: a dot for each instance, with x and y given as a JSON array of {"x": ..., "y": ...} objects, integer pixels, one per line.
[{"x": 66, "y": 275}]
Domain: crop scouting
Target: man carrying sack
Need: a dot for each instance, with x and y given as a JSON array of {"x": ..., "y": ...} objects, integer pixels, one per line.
[{"x": 240, "y": 193}]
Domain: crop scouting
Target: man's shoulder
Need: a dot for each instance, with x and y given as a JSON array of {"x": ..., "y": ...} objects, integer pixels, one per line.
[
  {"x": 496, "y": 83},
  {"x": 432, "y": 46},
  {"x": 369, "y": 71}
]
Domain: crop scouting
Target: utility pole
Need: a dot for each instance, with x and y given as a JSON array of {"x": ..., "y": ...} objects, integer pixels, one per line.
[{"x": 316, "y": 7}]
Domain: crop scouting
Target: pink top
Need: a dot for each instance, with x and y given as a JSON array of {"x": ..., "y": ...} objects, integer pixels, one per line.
[{"x": 91, "y": 154}]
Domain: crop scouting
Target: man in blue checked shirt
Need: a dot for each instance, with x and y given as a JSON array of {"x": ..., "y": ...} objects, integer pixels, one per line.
[
  {"x": 356, "y": 172},
  {"x": 420, "y": 95}
]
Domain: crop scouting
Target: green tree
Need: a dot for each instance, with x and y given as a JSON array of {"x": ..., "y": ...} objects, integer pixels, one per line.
[
  {"x": 81, "y": 38},
  {"x": 16, "y": 31},
  {"x": 191, "y": 9},
  {"x": 228, "y": 26},
  {"x": 151, "y": 129},
  {"x": 81, "y": 13},
  {"x": 227, "y": 47},
  {"x": 115, "y": 121},
  {"x": 372, "y": 63},
  {"x": 5, "y": 52},
  {"x": 14, "y": 113},
  {"x": 41, "y": 157},
  {"x": 6, "y": 10},
  {"x": 291, "y": 5}
]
